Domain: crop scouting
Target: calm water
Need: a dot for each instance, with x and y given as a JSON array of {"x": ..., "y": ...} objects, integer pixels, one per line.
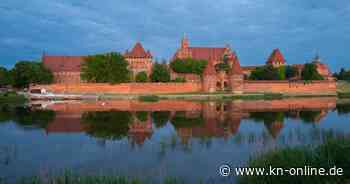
[{"x": 189, "y": 140}]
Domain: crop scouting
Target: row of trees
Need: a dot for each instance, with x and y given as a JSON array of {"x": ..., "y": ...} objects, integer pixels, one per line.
[
  {"x": 269, "y": 72},
  {"x": 25, "y": 73},
  {"x": 189, "y": 66},
  {"x": 113, "y": 68},
  {"x": 343, "y": 75}
]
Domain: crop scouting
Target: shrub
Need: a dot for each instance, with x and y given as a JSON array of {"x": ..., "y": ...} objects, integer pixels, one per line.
[
  {"x": 149, "y": 98},
  {"x": 189, "y": 66},
  {"x": 141, "y": 77},
  {"x": 179, "y": 79},
  {"x": 160, "y": 73}
]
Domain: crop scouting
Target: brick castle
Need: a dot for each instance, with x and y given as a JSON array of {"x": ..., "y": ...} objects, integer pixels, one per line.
[{"x": 66, "y": 70}]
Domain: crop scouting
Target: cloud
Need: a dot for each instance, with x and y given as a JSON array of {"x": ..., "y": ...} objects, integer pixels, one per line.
[{"x": 252, "y": 27}]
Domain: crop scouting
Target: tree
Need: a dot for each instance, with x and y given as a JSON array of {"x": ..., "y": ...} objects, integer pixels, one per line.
[
  {"x": 105, "y": 68},
  {"x": 267, "y": 72},
  {"x": 310, "y": 72},
  {"x": 189, "y": 65},
  {"x": 29, "y": 72},
  {"x": 281, "y": 73},
  {"x": 343, "y": 75},
  {"x": 5, "y": 77},
  {"x": 141, "y": 77},
  {"x": 160, "y": 73},
  {"x": 291, "y": 71}
]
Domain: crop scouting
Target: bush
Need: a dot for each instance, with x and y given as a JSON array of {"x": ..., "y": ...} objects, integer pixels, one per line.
[
  {"x": 141, "y": 77},
  {"x": 189, "y": 66},
  {"x": 310, "y": 72},
  {"x": 150, "y": 98},
  {"x": 179, "y": 79},
  {"x": 160, "y": 73}
]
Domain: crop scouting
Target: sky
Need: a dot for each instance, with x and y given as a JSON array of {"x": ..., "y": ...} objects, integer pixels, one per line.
[{"x": 253, "y": 28}]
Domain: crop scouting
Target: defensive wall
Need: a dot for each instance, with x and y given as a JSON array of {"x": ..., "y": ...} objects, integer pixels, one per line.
[{"x": 285, "y": 87}]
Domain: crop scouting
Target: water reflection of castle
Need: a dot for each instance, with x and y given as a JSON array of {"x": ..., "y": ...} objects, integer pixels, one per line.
[{"x": 137, "y": 120}]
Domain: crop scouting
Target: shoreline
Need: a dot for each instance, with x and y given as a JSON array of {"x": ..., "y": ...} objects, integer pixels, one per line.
[{"x": 185, "y": 96}]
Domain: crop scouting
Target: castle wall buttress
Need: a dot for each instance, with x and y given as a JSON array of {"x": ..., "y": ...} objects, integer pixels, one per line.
[{"x": 237, "y": 83}]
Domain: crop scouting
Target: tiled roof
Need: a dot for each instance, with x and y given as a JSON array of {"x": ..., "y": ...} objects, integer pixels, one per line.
[
  {"x": 63, "y": 63},
  {"x": 276, "y": 56},
  {"x": 138, "y": 52},
  {"x": 207, "y": 53}
]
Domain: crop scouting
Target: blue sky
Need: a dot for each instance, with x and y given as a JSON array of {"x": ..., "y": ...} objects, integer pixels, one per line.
[{"x": 300, "y": 28}]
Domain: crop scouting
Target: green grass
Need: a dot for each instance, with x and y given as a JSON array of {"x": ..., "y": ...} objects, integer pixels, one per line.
[
  {"x": 11, "y": 97},
  {"x": 343, "y": 89},
  {"x": 149, "y": 98},
  {"x": 69, "y": 178},
  {"x": 332, "y": 153}
]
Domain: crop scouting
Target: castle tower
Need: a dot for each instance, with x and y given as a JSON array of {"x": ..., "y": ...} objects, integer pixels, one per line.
[
  {"x": 276, "y": 59},
  {"x": 209, "y": 79},
  {"x": 236, "y": 77},
  {"x": 185, "y": 43}
]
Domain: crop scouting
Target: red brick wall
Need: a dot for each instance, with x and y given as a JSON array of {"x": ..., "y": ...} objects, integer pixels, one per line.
[
  {"x": 300, "y": 87},
  {"x": 189, "y": 77},
  {"x": 127, "y": 88}
]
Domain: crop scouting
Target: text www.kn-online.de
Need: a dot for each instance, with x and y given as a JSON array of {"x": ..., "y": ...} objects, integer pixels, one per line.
[{"x": 226, "y": 170}]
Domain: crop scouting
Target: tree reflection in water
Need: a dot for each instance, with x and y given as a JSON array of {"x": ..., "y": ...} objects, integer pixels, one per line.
[
  {"x": 112, "y": 125},
  {"x": 26, "y": 116},
  {"x": 160, "y": 118}
]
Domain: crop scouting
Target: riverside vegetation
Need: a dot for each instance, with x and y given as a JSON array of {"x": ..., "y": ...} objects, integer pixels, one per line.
[{"x": 334, "y": 152}]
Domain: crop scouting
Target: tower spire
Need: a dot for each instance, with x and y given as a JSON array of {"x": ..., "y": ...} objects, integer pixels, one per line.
[{"x": 185, "y": 42}]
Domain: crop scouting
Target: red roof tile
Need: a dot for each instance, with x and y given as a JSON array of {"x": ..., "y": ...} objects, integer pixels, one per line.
[
  {"x": 276, "y": 56},
  {"x": 63, "y": 63},
  {"x": 138, "y": 52},
  {"x": 207, "y": 53}
]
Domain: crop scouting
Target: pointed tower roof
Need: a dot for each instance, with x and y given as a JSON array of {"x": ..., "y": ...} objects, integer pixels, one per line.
[
  {"x": 236, "y": 67},
  {"x": 276, "y": 56},
  {"x": 317, "y": 59},
  {"x": 138, "y": 52}
]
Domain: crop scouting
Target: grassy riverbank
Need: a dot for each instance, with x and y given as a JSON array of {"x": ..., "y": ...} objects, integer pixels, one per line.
[
  {"x": 343, "y": 89},
  {"x": 11, "y": 97},
  {"x": 72, "y": 179},
  {"x": 331, "y": 154}
]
